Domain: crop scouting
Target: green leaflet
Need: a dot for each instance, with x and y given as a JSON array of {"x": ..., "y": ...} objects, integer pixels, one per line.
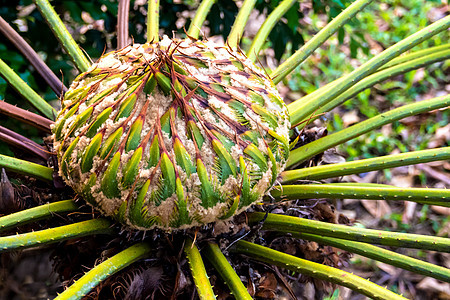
[
  {"x": 163, "y": 82},
  {"x": 165, "y": 123},
  {"x": 111, "y": 143},
  {"x": 195, "y": 134},
  {"x": 87, "y": 189},
  {"x": 134, "y": 136},
  {"x": 247, "y": 196},
  {"x": 150, "y": 85},
  {"x": 120, "y": 213},
  {"x": 65, "y": 160},
  {"x": 183, "y": 158},
  {"x": 153, "y": 157},
  {"x": 168, "y": 173},
  {"x": 89, "y": 153},
  {"x": 256, "y": 98},
  {"x": 260, "y": 159},
  {"x": 101, "y": 95},
  {"x": 101, "y": 118},
  {"x": 131, "y": 169},
  {"x": 226, "y": 163},
  {"x": 80, "y": 120},
  {"x": 183, "y": 213},
  {"x": 136, "y": 207},
  {"x": 265, "y": 115},
  {"x": 126, "y": 107},
  {"x": 109, "y": 182},
  {"x": 59, "y": 125},
  {"x": 283, "y": 142},
  {"x": 76, "y": 94},
  {"x": 208, "y": 195},
  {"x": 234, "y": 206},
  {"x": 273, "y": 166}
]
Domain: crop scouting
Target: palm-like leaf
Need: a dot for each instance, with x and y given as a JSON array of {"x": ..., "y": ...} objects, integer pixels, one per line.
[{"x": 380, "y": 67}]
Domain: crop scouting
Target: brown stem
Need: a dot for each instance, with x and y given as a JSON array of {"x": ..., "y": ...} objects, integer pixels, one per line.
[
  {"x": 122, "y": 23},
  {"x": 55, "y": 84},
  {"x": 26, "y": 116},
  {"x": 23, "y": 143}
]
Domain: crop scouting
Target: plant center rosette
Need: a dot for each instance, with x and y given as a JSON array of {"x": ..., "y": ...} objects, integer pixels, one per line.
[{"x": 172, "y": 135}]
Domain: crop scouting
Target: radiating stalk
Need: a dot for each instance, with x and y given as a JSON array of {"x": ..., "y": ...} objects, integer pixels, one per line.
[
  {"x": 316, "y": 270},
  {"x": 199, "y": 18},
  {"x": 304, "y": 52},
  {"x": 55, "y": 84},
  {"x": 414, "y": 55},
  {"x": 304, "y": 107},
  {"x": 25, "y": 116},
  {"x": 23, "y": 143},
  {"x": 54, "y": 235},
  {"x": 379, "y": 254},
  {"x": 356, "y": 191},
  {"x": 122, "y": 23},
  {"x": 395, "y": 239},
  {"x": 238, "y": 27},
  {"x": 153, "y": 21},
  {"x": 379, "y": 76},
  {"x": 267, "y": 27},
  {"x": 36, "y": 213},
  {"x": 204, "y": 289},
  {"x": 26, "y": 168},
  {"x": 27, "y": 93},
  {"x": 63, "y": 35},
  {"x": 304, "y": 152},
  {"x": 366, "y": 165},
  {"x": 107, "y": 268},
  {"x": 226, "y": 271}
]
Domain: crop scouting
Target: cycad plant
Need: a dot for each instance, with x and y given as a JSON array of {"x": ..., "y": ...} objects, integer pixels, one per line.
[{"x": 184, "y": 146}]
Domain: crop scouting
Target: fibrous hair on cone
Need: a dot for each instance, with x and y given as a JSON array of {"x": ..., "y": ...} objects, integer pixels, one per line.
[{"x": 172, "y": 135}]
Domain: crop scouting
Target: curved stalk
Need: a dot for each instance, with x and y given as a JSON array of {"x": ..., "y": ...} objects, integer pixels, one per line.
[
  {"x": 36, "y": 213},
  {"x": 55, "y": 84},
  {"x": 366, "y": 165},
  {"x": 23, "y": 143},
  {"x": 153, "y": 21},
  {"x": 304, "y": 152},
  {"x": 26, "y": 168},
  {"x": 107, "y": 268},
  {"x": 199, "y": 18},
  {"x": 122, "y": 23},
  {"x": 26, "y": 92},
  {"x": 204, "y": 289},
  {"x": 54, "y": 235},
  {"x": 267, "y": 27},
  {"x": 26, "y": 116},
  {"x": 414, "y": 55},
  {"x": 379, "y": 254},
  {"x": 226, "y": 271},
  {"x": 385, "y": 73},
  {"x": 64, "y": 37},
  {"x": 238, "y": 27},
  {"x": 356, "y": 191},
  {"x": 315, "y": 270},
  {"x": 395, "y": 239},
  {"x": 303, "y": 107},
  {"x": 306, "y": 50}
]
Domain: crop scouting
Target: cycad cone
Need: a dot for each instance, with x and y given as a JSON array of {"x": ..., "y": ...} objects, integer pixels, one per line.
[{"x": 172, "y": 135}]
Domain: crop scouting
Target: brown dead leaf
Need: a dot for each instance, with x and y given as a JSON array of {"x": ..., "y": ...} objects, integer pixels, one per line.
[
  {"x": 350, "y": 118},
  {"x": 408, "y": 213},
  {"x": 267, "y": 287},
  {"x": 441, "y": 210},
  {"x": 432, "y": 285},
  {"x": 377, "y": 209}
]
